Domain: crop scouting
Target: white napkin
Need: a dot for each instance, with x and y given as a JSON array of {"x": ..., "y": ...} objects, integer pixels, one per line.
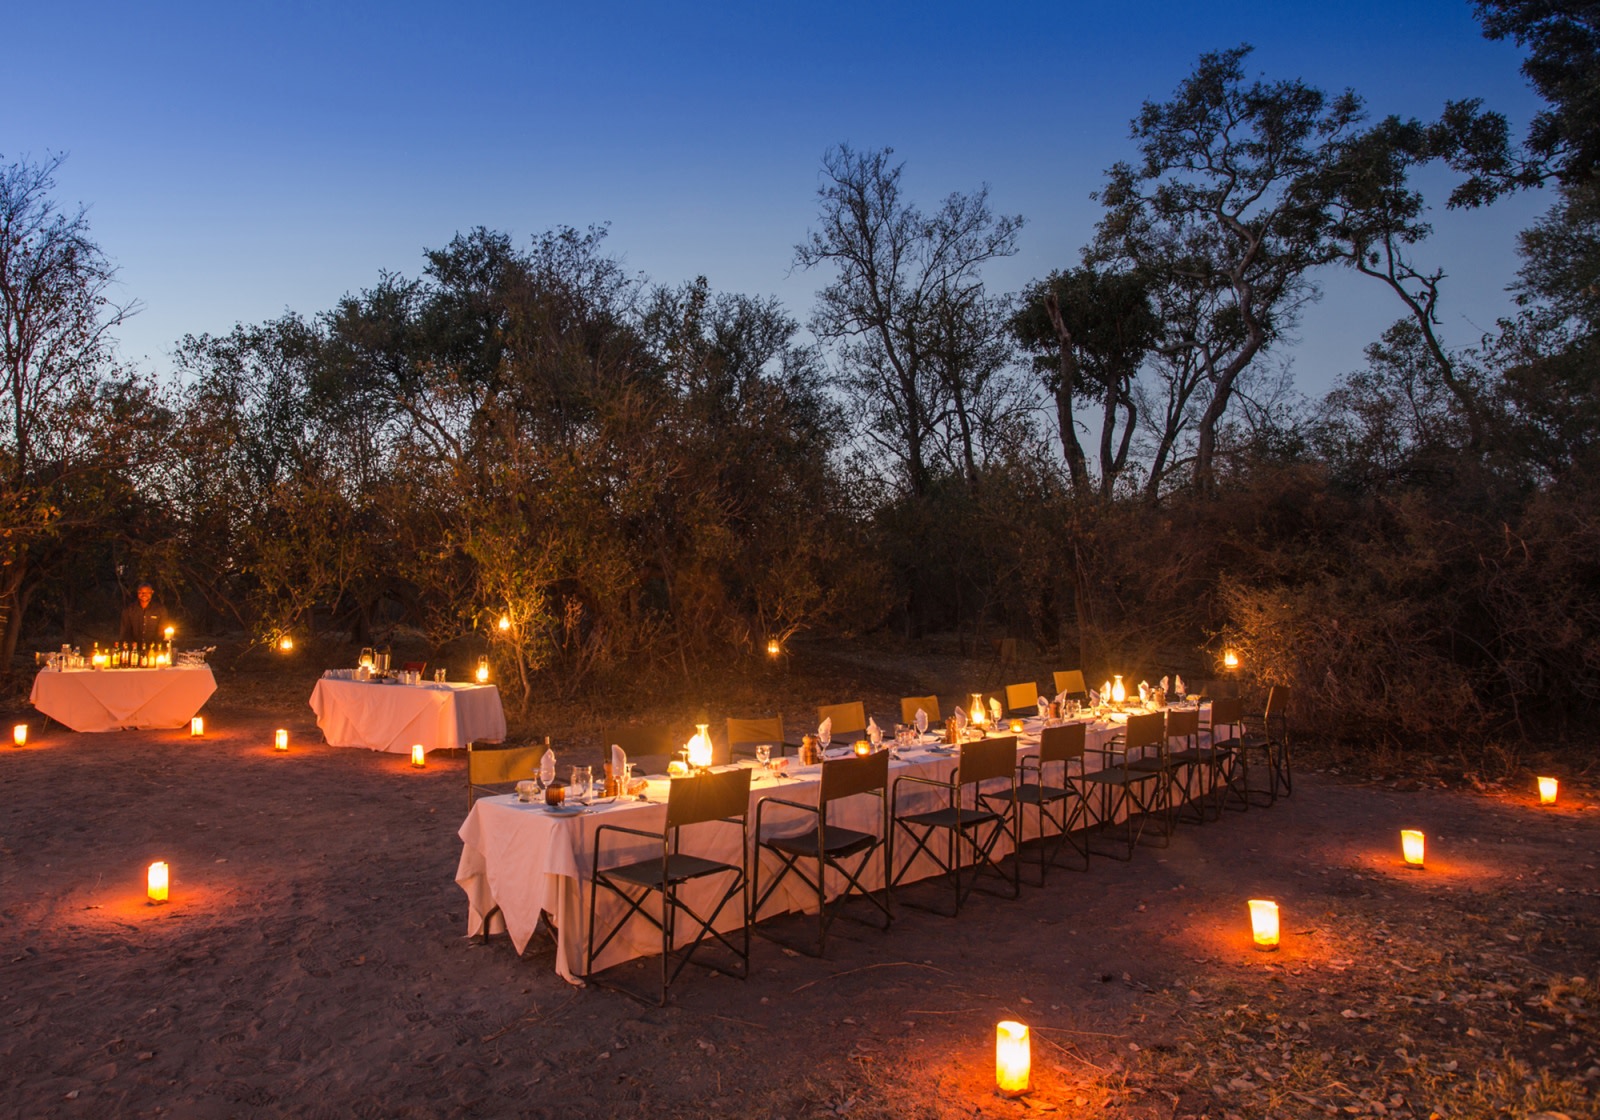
[
  {"x": 1044, "y": 706},
  {"x": 1164, "y": 687},
  {"x": 547, "y": 767},
  {"x": 921, "y": 722},
  {"x": 825, "y": 729},
  {"x": 1181, "y": 690},
  {"x": 1144, "y": 692},
  {"x": 961, "y": 719},
  {"x": 874, "y": 733},
  {"x": 619, "y": 762},
  {"x": 994, "y": 709},
  {"x": 1105, "y": 690},
  {"x": 1094, "y": 698},
  {"x": 1061, "y": 698}
]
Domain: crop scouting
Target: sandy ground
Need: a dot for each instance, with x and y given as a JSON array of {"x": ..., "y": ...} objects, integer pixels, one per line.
[{"x": 313, "y": 962}]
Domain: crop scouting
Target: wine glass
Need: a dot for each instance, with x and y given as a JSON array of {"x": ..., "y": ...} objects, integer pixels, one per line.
[
  {"x": 764, "y": 755},
  {"x": 825, "y": 736},
  {"x": 922, "y": 722}
]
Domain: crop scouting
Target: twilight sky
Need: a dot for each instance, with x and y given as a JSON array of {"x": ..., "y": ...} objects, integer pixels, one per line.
[{"x": 240, "y": 160}]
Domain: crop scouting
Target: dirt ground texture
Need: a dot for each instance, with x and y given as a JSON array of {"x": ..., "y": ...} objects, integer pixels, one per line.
[{"x": 313, "y": 961}]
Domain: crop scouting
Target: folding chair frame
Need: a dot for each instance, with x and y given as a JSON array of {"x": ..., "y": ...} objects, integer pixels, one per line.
[
  {"x": 957, "y": 821},
  {"x": 1062, "y": 745}
]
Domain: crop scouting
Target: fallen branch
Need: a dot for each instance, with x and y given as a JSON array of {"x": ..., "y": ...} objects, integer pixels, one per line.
[{"x": 865, "y": 967}]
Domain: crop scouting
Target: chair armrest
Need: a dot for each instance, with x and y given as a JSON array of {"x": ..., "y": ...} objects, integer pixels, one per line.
[{"x": 761, "y": 805}]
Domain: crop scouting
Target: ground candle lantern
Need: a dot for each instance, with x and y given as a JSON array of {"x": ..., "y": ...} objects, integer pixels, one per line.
[
  {"x": 1411, "y": 847},
  {"x": 1264, "y": 924},
  {"x": 1011, "y": 1057},
  {"x": 418, "y": 758},
  {"x": 156, "y": 881},
  {"x": 197, "y": 727},
  {"x": 1547, "y": 791},
  {"x": 280, "y": 740},
  {"x": 19, "y": 735}
]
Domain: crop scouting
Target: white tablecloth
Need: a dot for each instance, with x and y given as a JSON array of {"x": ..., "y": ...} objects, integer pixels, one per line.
[
  {"x": 110, "y": 699},
  {"x": 393, "y": 717},
  {"x": 526, "y": 861}
]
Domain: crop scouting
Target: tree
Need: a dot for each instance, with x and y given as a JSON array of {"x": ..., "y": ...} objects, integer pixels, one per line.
[
  {"x": 1090, "y": 330},
  {"x": 906, "y": 310},
  {"x": 1563, "y": 65},
  {"x": 1215, "y": 206},
  {"x": 56, "y": 314}
]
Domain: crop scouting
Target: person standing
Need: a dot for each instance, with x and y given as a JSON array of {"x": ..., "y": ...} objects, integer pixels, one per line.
[{"x": 144, "y": 622}]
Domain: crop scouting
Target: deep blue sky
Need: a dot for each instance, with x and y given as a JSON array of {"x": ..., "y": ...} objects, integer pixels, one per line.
[{"x": 243, "y": 160}]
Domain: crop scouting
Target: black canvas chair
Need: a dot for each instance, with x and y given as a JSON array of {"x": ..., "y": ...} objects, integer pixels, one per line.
[
  {"x": 972, "y": 817},
  {"x": 715, "y": 796},
  {"x": 1125, "y": 791},
  {"x": 1056, "y": 794},
  {"x": 823, "y": 845}
]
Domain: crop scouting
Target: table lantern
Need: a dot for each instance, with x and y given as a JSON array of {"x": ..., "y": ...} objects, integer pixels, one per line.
[
  {"x": 1264, "y": 924},
  {"x": 699, "y": 747},
  {"x": 197, "y": 727},
  {"x": 418, "y": 756},
  {"x": 1547, "y": 791},
  {"x": 483, "y": 669},
  {"x": 1016, "y": 727},
  {"x": 281, "y": 739},
  {"x": 1119, "y": 691},
  {"x": 1411, "y": 847},
  {"x": 979, "y": 716},
  {"x": 19, "y": 735},
  {"x": 1012, "y": 1058},
  {"x": 863, "y": 747},
  {"x": 156, "y": 882}
]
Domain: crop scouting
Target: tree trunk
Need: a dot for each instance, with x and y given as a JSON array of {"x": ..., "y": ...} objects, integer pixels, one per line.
[{"x": 1066, "y": 424}]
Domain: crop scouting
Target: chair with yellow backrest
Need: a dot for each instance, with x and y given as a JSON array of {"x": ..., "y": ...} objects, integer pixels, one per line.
[
  {"x": 491, "y": 769},
  {"x": 1071, "y": 682},
  {"x": 744, "y": 735},
  {"x": 848, "y": 719},
  {"x": 1022, "y": 699},
  {"x": 929, "y": 704}
]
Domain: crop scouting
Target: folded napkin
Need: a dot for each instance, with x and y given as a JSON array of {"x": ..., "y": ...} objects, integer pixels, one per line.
[
  {"x": 1094, "y": 698},
  {"x": 874, "y": 733},
  {"x": 994, "y": 709},
  {"x": 1144, "y": 692},
  {"x": 922, "y": 722},
  {"x": 825, "y": 730},
  {"x": 1164, "y": 687},
  {"x": 960, "y": 718},
  {"x": 1105, "y": 690},
  {"x": 1044, "y": 706},
  {"x": 547, "y": 767},
  {"x": 619, "y": 762},
  {"x": 1181, "y": 690}
]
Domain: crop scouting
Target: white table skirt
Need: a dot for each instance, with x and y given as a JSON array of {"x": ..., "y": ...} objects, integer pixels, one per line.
[
  {"x": 528, "y": 862},
  {"x": 114, "y": 699},
  {"x": 393, "y": 717}
]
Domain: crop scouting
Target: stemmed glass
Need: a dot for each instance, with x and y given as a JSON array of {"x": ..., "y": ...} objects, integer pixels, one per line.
[
  {"x": 825, "y": 736},
  {"x": 922, "y": 722},
  {"x": 764, "y": 755}
]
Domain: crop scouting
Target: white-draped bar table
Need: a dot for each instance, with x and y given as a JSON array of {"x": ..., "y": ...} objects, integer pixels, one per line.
[
  {"x": 120, "y": 699},
  {"x": 393, "y": 717},
  {"x": 520, "y": 860}
]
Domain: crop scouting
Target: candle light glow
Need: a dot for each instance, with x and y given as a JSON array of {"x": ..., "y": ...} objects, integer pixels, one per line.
[
  {"x": 1264, "y": 924},
  {"x": 197, "y": 727},
  {"x": 157, "y": 880},
  {"x": 1012, "y": 1058},
  {"x": 418, "y": 756},
  {"x": 1411, "y": 845},
  {"x": 280, "y": 740},
  {"x": 1547, "y": 791}
]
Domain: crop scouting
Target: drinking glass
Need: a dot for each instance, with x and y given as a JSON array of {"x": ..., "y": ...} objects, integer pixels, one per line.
[
  {"x": 582, "y": 777},
  {"x": 764, "y": 755},
  {"x": 922, "y": 722},
  {"x": 825, "y": 736}
]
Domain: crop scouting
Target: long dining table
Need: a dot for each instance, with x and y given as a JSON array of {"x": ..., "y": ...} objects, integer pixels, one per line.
[{"x": 521, "y": 861}]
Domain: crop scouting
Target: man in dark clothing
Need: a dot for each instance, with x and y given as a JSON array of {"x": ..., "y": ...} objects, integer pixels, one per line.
[{"x": 145, "y": 621}]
